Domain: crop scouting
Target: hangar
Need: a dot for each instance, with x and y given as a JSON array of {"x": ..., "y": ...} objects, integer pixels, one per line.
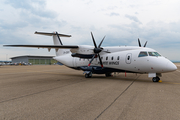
[{"x": 34, "y": 60}]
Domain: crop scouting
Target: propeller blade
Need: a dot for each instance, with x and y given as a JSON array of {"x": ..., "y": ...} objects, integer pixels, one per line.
[
  {"x": 92, "y": 60},
  {"x": 100, "y": 60},
  {"x": 97, "y": 50},
  {"x": 139, "y": 42},
  {"x": 59, "y": 38},
  {"x": 145, "y": 44},
  {"x": 101, "y": 42},
  {"x": 93, "y": 40}
]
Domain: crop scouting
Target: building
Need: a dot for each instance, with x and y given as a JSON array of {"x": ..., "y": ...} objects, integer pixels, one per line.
[{"x": 34, "y": 60}]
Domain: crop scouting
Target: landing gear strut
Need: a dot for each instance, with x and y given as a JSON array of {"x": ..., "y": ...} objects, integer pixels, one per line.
[
  {"x": 108, "y": 74},
  {"x": 88, "y": 75},
  {"x": 155, "y": 79}
]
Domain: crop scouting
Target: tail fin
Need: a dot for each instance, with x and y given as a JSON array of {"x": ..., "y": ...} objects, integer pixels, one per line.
[{"x": 57, "y": 41}]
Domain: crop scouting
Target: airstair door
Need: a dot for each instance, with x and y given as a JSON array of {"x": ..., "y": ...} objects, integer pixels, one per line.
[{"x": 128, "y": 58}]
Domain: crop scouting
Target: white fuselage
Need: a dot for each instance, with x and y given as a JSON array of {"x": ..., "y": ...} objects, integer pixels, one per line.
[
  {"x": 105, "y": 60},
  {"x": 122, "y": 58}
]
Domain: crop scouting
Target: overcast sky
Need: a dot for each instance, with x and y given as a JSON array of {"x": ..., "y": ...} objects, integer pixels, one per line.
[{"x": 123, "y": 22}]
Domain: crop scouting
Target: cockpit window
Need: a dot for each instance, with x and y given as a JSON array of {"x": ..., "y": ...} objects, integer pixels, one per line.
[
  {"x": 154, "y": 54},
  {"x": 143, "y": 54}
]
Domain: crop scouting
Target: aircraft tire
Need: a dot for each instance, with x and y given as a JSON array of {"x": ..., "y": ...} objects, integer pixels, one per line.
[
  {"x": 88, "y": 75},
  {"x": 108, "y": 74},
  {"x": 155, "y": 79}
]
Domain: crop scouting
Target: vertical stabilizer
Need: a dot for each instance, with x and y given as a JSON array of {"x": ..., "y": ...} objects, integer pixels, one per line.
[{"x": 57, "y": 41}]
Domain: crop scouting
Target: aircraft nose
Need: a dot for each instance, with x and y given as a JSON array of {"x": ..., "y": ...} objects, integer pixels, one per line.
[{"x": 171, "y": 66}]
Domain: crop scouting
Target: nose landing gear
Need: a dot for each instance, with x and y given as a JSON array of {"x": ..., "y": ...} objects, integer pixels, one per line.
[{"x": 156, "y": 79}]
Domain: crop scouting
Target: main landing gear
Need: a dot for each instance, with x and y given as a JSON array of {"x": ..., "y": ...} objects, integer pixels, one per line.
[
  {"x": 88, "y": 75},
  {"x": 155, "y": 79},
  {"x": 108, "y": 74}
]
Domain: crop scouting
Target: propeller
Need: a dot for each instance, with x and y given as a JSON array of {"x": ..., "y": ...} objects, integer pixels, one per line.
[
  {"x": 140, "y": 43},
  {"x": 145, "y": 44},
  {"x": 96, "y": 50}
]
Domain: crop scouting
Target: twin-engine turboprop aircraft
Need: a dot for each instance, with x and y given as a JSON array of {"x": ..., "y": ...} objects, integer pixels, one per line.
[{"x": 106, "y": 60}]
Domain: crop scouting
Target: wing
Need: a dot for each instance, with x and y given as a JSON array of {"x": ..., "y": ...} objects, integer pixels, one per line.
[
  {"x": 77, "y": 51},
  {"x": 45, "y": 46}
]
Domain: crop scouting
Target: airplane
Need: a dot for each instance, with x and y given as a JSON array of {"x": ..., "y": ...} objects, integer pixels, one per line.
[{"x": 106, "y": 60}]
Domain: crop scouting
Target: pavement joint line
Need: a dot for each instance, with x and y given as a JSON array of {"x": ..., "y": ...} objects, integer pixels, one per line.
[
  {"x": 48, "y": 72},
  {"x": 40, "y": 92},
  {"x": 26, "y": 72},
  {"x": 117, "y": 97}
]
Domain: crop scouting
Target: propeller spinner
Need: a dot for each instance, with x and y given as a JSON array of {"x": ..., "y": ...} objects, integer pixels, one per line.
[{"x": 96, "y": 50}]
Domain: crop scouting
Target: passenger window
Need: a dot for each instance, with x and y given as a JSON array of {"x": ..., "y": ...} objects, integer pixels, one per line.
[
  {"x": 111, "y": 58},
  {"x": 118, "y": 58},
  {"x": 143, "y": 54},
  {"x": 106, "y": 58}
]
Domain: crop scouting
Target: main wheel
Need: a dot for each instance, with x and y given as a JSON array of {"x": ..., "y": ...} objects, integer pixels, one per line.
[
  {"x": 108, "y": 74},
  {"x": 88, "y": 75}
]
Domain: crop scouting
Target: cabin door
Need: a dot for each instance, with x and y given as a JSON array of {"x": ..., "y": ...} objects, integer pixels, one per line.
[{"x": 128, "y": 58}]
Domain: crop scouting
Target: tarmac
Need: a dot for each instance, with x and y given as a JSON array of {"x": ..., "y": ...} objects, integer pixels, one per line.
[{"x": 45, "y": 92}]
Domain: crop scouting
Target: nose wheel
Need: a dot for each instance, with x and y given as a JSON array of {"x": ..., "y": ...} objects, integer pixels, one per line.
[{"x": 155, "y": 79}]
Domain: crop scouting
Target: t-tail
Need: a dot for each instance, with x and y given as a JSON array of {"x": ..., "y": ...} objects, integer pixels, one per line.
[{"x": 57, "y": 41}]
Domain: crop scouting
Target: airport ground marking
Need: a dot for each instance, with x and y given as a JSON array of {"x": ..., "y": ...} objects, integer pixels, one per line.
[
  {"x": 170, "y": 83},
  {"x": 117, "y": 97},
  {"x": 28, "y": 71},
  {"x": 15, "y": 98}
]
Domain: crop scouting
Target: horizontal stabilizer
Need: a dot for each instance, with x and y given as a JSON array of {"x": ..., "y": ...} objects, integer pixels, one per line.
[
  {"x": 50, "y": 34},
  {"x": 44, "y": 46}
]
